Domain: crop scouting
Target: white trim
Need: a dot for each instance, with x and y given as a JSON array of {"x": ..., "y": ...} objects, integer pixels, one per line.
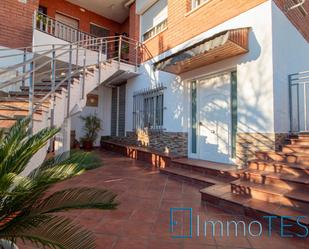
[{"x": 212, "y": 74}]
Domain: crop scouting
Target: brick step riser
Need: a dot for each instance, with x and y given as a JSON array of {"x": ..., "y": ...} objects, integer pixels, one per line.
[
  {"x": 268, "y": 167},
  {"x": 177, "y": 177},
  {"x": 204, "y": 171},
  {"x": 302, "y": 160},
  {"x": 249, "y": 212},
  {"x": 285, "y": 184},
  {"x": 268, "y": 197}
]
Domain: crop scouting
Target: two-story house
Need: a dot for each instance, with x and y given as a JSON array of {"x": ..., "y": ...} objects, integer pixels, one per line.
[{"x": 210, "y": 80}]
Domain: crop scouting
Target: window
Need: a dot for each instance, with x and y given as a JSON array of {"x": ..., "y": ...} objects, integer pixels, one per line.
[
  {"x": 154, "y": 19},
  {"x": 155, "y": 30},
  {"x": 196, "y": 3},
  {"x": 98, "y": 31},
  {"x": 148, "y": 108}
]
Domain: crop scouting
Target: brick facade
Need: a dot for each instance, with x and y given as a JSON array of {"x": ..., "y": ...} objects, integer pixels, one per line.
[
  {"x": 85, "y": 18},
  {"x": 300, "y": 21},
  {"x": 184, "y": 25},
  {"x": 16, "y": 20}
]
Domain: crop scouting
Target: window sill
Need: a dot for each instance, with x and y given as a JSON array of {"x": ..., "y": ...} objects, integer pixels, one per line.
[
  {"x": 197, "y": 8},
  {"x": 149, "y": 39}
]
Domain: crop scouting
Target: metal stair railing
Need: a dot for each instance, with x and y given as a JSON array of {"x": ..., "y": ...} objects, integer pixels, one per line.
[
  {"x": 36, "y": 62},
  {"x": 299, "y": 101}
]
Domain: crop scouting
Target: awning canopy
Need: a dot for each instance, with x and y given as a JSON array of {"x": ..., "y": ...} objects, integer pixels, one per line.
[{"x": 210, "y": 50}]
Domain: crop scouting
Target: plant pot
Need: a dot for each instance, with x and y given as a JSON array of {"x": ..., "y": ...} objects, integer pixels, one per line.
[
  {"x": 87, "y": 145},
  {"x": 6, "y": 244}
]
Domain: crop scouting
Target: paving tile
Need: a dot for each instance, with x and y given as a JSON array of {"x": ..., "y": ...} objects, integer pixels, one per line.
[{"x": 142, "y": 218}]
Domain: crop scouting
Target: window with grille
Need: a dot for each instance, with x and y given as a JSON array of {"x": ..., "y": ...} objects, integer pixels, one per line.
[{"x": 148, "y": 109}]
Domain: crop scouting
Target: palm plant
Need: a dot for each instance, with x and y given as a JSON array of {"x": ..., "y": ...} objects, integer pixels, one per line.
[
  {"x": 28, "y": 210},
  {"x": 92, "y": 126}
]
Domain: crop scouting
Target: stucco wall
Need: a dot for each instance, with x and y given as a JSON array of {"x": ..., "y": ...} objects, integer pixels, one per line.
[
  {"x": 254, "y": 72},
  {"x": 291, "y": 55}
]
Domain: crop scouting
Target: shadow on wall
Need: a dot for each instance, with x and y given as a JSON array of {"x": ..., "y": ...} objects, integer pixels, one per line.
[{"x": 255, "y": 118}]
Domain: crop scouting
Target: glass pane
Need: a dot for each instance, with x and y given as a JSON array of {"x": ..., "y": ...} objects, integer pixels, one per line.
[{"x": 193, "y": 117}]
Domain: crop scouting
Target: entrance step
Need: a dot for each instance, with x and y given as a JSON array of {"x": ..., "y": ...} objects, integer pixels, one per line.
[
  {"x": 300, "y": 141},
  {"x": 295, "y": 148},
  {"x": 282, "y": 180},
  {"x": 272, "y": 194},
  {"x": 190, "y": 176},
  {"x": 228, "y": 172},
  {"x": 222, "y": 197},
  {"x": 296, "y": 158},
  {"x": 279, "y": 167}
]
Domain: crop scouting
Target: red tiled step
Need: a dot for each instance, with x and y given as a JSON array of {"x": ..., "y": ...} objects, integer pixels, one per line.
[
  {"x": 295, "y": 148},
  {"x": 299, "y": 158},
  {"x": 222, "y": 197},
  {"x": 190, "y": 176},
  {"x": 270, "y": 194},
  {"x": 287, "y": 181},
  {"x": 279, "y": 167},
  {"x": 228, "y": 171},
  {"x": 298, "y": 141}
]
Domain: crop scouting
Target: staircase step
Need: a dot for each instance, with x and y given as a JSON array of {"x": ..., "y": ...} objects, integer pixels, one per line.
[
  {"x": 220, "y": 170},
  {"x": 283, "y": 180},
  {"x": 6, "y": 124},
  {"x": 256, "y": 209},
  {"x": 295, "y": 148},
  {"x": 299, "y": 158},
  {"x": 270, "y": 194},
  {"x": 190, "y": 176},
  {"x": 298, "y": 141},
  {"x": 18, "y": 113},
  {"x": 279, "y": 167},
  {"x": 40, "y": 89}
]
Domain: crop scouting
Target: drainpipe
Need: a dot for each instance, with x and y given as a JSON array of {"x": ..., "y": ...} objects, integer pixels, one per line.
[{"x": 127, "y": 4}]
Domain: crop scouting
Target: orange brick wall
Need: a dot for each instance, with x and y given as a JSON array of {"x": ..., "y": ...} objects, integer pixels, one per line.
[
  {"x": 295, "y": 16},
  {"x": 85, "y": 18},
  {"x": 183, "y": 26},
  {"x": 16, "y": 23}
]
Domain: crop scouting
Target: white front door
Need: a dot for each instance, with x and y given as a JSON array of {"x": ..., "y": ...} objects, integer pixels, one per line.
[{"x": 214, "y": 122}]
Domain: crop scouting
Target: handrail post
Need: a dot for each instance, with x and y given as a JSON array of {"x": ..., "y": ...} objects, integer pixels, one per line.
[
  {"x": 106, "y": 48},
  {"x": 24, "y": 66},
  {"x": 84, "y": 73},
  {"x": 35, "y": 14},
  {"x": 31, "y": 96},
  {"x": 69, "y": 81},
  {"x": 100, "y": 61},
  {"x": 136, "y": 55},
  {"x": 290, "y": 103},
  {"x": 119, "y": 50},
  {"x": 53, "y": 86}
]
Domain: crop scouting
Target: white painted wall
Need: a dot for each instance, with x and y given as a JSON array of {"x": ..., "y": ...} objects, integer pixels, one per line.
[
  {"x": 103, "y": 111},
  {"x": 291, "y": 55},
  {"x": 255, "y": 77}
]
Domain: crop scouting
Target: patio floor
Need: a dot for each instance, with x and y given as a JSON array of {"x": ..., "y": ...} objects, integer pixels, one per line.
[{"x": 142, "y": 218}]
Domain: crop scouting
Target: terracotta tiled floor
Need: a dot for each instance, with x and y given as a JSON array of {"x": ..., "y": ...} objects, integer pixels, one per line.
[{"x": 142, "y": 218}]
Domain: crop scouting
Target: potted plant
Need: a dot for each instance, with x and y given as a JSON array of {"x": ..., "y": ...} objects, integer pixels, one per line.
[
  {"x": 92, "y": 126},
  {"x": 29, "y": 210}
]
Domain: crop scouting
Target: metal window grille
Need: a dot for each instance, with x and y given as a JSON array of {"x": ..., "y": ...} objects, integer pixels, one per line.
[{"x": 148, "y": 108}]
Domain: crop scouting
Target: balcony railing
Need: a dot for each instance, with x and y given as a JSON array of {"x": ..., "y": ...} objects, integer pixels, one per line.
[{"x": 60, "y": 30}]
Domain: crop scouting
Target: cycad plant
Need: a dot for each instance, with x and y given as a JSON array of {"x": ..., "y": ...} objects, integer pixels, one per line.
[{"x": 28, "y": 210}]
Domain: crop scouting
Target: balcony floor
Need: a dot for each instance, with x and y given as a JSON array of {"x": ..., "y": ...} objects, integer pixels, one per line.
[{"x": 142, "y": 218}]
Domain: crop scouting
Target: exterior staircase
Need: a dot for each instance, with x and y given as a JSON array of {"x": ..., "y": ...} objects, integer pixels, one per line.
[
  {"x": 47, "y": 86},
  {"x": 275, "y": 183}
]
